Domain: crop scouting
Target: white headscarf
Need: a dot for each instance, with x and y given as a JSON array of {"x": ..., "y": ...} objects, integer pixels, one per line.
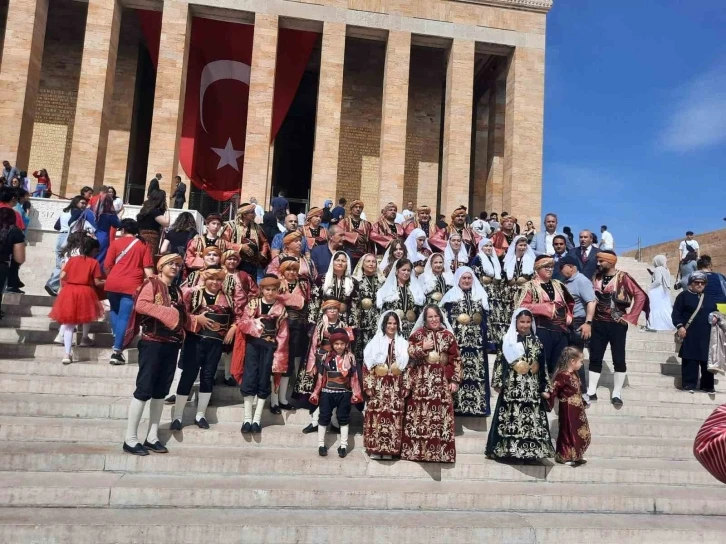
[
  {"x": 661, "y": 272},
  {"x": 389, "y": 290},
  {"x": 347, "y": 279},
  {"x": 462, "y": 257},
  {"x": 428, "y": 279},
  {"x": 384, "y": 262},
  {"x": 376, "y": 351},
  {"x": 359, "y": 274},
  {"x": 412, "y": 248},
  {"x": 456, "y": 293},
  {"x": 493, "y": 267},
  {"x": 510, "y": 260},
  {"x": 420, "y": 321},
  {"x": 512, "y": 349}
]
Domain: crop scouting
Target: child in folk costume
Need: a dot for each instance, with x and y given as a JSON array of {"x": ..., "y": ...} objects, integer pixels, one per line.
[
  {"x": 212, "y": 257},
  {"x": 519, "y": 428},
  {"x": 266, "y": 351},
  {"x": 573, "y": 436},
  {"x": 385, "y": 359},
  {"x": 194, "y": 258},
  {"x": 295, "y": 294},
  {"x": 320, "y": 346},
  {"x": 77, "y": 303},
  {"x": 337, "y": 387},
  {"x": 203, "y": 345}
]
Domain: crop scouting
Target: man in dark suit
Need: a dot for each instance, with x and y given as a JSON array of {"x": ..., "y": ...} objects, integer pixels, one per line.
[
  {"x": 586, "y": 255},
  {"x": 180, "y": 193},
  {"x": 322, "y": 255}
]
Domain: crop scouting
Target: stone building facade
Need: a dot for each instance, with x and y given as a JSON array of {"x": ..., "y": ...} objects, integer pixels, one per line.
[{"x": 435, "y": 101}]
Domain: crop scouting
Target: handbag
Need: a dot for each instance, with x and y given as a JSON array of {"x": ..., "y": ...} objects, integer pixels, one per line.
[{"x": 676, "y": 339}]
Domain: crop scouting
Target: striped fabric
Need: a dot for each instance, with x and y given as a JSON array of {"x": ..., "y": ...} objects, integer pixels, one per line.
[{"x": 710, "y": 445}]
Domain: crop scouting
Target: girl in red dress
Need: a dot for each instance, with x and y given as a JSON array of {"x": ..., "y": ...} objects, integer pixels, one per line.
[
  {"x": 77, "y": 303},
  {"x": 573, "y": 437}
]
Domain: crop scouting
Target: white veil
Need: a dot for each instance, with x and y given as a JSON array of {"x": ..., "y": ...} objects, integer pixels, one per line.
[
  {"x": 492, "y": 268},
  {"x": 510, "y": 260},
  {"x": 389, "y": 290},
  {"x": 358, "y": 273},
  {"x": 462, "y": 257},
  {"x": 512, "y": 349},
  {"x": 376, "y": 351},
  {"x": 411, "y": 247},
  {"x": 456, "y": 293},
  {"x": 420, "y": 321},
  {"x": 348, "y": 280},
  {"x": 427, "y": 277}
]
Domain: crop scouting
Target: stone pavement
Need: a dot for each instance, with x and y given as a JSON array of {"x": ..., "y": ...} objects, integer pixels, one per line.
[{"x": 64, "y": 477}]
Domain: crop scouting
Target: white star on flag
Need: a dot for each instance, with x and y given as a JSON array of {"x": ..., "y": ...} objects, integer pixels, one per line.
[{"x": 228, "y": 155}]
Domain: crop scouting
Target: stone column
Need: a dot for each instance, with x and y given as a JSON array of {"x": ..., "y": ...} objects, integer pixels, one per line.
[
  {"x": 522, "y": 194},
  {"x": 171, "y": 78},
  {"x": 393, "y": 119},
  {"x": 87, "y": 161},
  {"x": 255, "y": 180},
  {"x": 495, "y": 145},
  {"x": 457, "y": 126},
  {"x": 327, "y": 117},
  {"x": 22, "y": 56}
]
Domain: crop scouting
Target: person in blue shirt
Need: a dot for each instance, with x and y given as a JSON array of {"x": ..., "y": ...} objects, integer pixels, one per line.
[
  {"x": 291, "y": 226},
  {"x": 280, "y": 206},
  {"x": 338, "y": 212}
]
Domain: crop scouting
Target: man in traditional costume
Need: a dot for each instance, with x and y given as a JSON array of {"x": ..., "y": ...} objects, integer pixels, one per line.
[
  {"x": 551, "y": 305},
  {"x": 504, "y": 237},
  {"x": 458, "y": 225},
  {"x": 315, "y": 234},
  {"x": 194, "y": 258},
  {"x": 385, "y": 230},
  {"x": 709, "y": 447},
  {"x": 357, "y": 232},
  {"x": 246, "y": 237},
  {"x": 421, "y": 221},
  {"x": 266, "y": 350},
  {"x": 619, "y": 302}
]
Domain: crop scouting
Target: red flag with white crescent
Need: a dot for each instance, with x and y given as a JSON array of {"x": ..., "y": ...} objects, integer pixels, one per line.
[{"x": 217, "y": 89}]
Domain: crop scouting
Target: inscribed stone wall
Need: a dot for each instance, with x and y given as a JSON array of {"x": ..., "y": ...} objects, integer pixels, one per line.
[
  {"x": 423, "y": 127},
  {"x": 360, "y": 124},
  {"x": 711, "y": 243}
]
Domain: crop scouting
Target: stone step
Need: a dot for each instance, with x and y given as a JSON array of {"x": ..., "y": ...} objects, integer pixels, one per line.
[
  {"x": 44, "y": 323},
  {"x": 53, "y": 351},
  {"x": 46, "y": 337},
  {"x": 106, "y": 490},
  {"x": 165, "y": 525},
  {"x": 10, "y": 299},
  {"x": 110, "y": 431}
]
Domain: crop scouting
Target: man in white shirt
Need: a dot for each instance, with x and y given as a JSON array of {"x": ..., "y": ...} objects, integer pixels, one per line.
[
  {"x": 408, "y": 211},
  {"x": 690, "y": 253},
  {"x": 606, "y": 239},
  {"x": 259, "y": 212},
  {"x": 481, "y": 226}
]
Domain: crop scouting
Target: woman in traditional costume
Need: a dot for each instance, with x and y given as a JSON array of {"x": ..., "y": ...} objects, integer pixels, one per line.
[
  {"x": 433, "y": 374},
  {"x": 487, "y": 267},
  {"x": 518, "y": 270},
  {"x": 519, "y": 428},
  {"x": 396, "y": 250},
  {"x": 433, "y": 281},
  {"x": 338, "y": 284},
  {"x": 466, "y": 307},
  {"x": 455, "y": 255},
  {"x": 403, "y": 294},
  {"x": 369, "y": 282},
  {"x": 385, "y": 359},
  {"x": 418, "y": 250}
]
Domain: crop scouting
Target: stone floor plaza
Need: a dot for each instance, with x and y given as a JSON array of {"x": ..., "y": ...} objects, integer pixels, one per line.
[{"x": 435, "y": 101}]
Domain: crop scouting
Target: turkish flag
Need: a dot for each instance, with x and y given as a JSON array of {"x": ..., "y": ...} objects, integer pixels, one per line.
[{"x": 217, "y": 90}]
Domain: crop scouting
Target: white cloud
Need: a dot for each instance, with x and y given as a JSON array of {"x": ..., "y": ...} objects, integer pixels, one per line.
[{"x": 698, "y": 119}]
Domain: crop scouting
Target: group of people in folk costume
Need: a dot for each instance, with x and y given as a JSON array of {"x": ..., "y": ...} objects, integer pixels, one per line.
[{"x": 395, "y": 320}]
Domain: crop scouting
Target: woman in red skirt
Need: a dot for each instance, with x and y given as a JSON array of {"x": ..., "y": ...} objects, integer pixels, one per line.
[{"x": 77, "y": 302}]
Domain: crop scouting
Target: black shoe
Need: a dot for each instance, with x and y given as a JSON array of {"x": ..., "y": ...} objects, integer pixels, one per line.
[
  {"x": 334, "y": 429},
  {"x": 617, "y": 402},
  {"x": 138, "y": 449},
  {"x": 342, "y": 452},
  {"x": 286, "y": 406},
  {"x": 310, "y": 429},
  {"x": 231, "y": 382},
  {"x": 170, "y": 399},
  {"x": 14, "y": 290},
  {"x": 323, "y": 451},
  {"x": 117, "y": 359},
  {"x": 156, "y": 447},
  {"x": 709, "y": 391},
  {"x": 202, "y": 423},
  {"x": 50, "y": 291},
  {"x": 275, "y": 410},
  {"x": 593, "y": 398},
  {"x": 175, "y": 425},
  {"x": 246, "y": 428},
  {"x": 255, "y": 429}
]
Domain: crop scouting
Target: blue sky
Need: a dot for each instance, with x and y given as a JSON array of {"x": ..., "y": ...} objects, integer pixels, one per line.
[{"x": 635, "y": 117}]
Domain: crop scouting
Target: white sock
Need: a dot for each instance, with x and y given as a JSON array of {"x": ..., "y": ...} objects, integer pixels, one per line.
[
  {"x": 258, "y": 410},
  {"x": 181, "y": 402},
  {"x": 274, "y": 400},
  {"x": 619, "y": 380},
  {"x": 314, "y": 417},
  {"x": 136, "y": 408},
  {"x": 248, "y": 408},
  {"x": 177, "y": 377},
  {"x": 321, "y": 435},
  {"x": 227, "y": 361},
  {"x": 202, "y": 403},
  {"x": 344, "y": 436},
  {"x": 86, "y": 330},
  {"x": 594, "y": 377},
  {"x": 282, "y": 392},
  {"x": 68, "y": 332},
  {"x": 156, "y": 407}
]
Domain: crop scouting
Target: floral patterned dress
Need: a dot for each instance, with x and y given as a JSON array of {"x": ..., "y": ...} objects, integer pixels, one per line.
[
  {"x": 437, "y": 293},
  {"x": 368, "y": 313},
  {"x": 469, "y": 321},
  {"x": 350, "y": 300},
  {"x": 573, "y": 437},
  {"x": 502, "y": 298},
  {"x": 519, "y": 428},
  {"x": 428, "y": 423},
  {"x": 406, "y": 308},
  {"x": 383, "y": 423}
]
